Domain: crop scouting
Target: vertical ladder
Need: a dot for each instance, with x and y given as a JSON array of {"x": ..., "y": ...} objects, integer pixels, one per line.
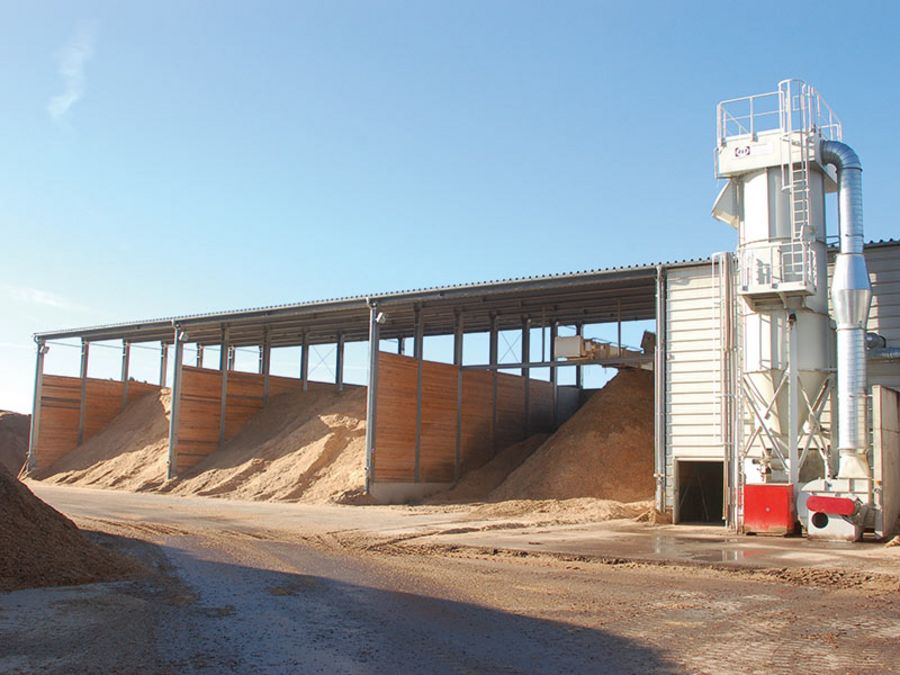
[{"x": 795, "y": 178}]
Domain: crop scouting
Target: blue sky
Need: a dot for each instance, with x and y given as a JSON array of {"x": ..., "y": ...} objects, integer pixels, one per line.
[{"x": 174, "y": 157}]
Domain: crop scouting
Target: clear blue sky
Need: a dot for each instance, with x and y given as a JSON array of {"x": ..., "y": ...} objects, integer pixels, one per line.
[{"x": 174, "y": 157}]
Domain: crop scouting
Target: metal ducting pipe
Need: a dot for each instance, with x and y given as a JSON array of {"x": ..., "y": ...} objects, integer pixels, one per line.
[
  {"x": 885, "y": 354},
  {"x": 851, "y": 297}
]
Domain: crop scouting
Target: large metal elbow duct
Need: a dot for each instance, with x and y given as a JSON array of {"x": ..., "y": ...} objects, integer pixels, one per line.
[{"x": 851, "y": 297}]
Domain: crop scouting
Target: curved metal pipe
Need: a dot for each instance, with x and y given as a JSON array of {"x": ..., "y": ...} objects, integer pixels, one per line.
[{"x": 851, "y": 296}]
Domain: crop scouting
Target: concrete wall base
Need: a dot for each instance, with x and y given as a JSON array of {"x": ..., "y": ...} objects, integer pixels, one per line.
[{"x": 401, "y": 493}]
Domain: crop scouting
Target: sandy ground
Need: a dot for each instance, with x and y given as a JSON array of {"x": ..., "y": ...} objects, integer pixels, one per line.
[{"x": 257, "y": 587}]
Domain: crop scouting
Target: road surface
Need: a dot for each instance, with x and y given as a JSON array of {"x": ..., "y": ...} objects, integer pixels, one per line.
[{"x": 231, "y": 591}]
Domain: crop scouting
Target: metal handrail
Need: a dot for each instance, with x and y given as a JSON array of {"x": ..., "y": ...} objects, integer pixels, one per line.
[{"x": 791, "y": 97}]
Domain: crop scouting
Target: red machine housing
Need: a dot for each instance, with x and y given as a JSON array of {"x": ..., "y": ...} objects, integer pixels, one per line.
[{"x": 769, "y": 509}]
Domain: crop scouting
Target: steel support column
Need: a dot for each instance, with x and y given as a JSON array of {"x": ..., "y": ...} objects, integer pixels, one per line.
[
  {"x": 659, "y": 390},
  {"x": 126, "y": 359},
  {"x": 579, "y": 372},
  {"x": 401, "y": 346},
  {"x": 339, "y": 362},
  {"x": 232, "y": 357},
  {"x": 225, "y": 361},
  {"x": 42, "y": 348},
  {"x": 418, "y": 352},
  {"x": 619, "y": 326},
  {"x": 554, "y": 380},
  {"x": 163, "y": 363},
  {"x": 304, "y": 363},
  {"x": 82, "y": 409},
  {"x": 526, "y": 373},
  {"x": 458, "y": 340},
  {"x": 265, "y": 363},
  {"x": 172, "y": 463},
  {"x": 199, "y": 356},
  {"x": 371, "y": 396},
  {"x": 493, "y": 359}
]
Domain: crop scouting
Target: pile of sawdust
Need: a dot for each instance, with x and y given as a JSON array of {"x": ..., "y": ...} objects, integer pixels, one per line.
[
  {"x": 303, "y": 446},
  {"x": 14, "y": 429},
  {"x": 604, "y": 451},
  {"x": 130, "y": 453},
  {"x": 477, "y": 485},
  {"x": 41, "y": 547}
]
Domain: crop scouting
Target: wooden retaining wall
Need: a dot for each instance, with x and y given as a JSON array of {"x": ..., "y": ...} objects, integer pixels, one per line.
[
  {"x": 479, "y": 435},
  {"x": 200, "y": 406},
  {"x": 60, "y": 412}
]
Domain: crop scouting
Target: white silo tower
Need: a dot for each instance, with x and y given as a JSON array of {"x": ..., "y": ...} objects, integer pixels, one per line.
[{"x": 779, "y": 152}]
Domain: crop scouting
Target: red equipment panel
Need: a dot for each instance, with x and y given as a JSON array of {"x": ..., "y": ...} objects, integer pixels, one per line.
[
  {"x": 769, "y": 509},
  {"x": 833, "y": 506}
]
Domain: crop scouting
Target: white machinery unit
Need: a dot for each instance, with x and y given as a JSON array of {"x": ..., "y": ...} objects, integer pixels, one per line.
[
  {"x": 590, "y": 350},
  {"x": 781, "y": 153}
]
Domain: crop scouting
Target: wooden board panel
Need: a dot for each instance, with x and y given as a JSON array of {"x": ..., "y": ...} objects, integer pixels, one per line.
[
  {"x": 61, "y": 412},
  {"x": 197, "y": 435},
  {"x": 395, "y": 433},
  {"x": 438, "y": 442},
  {"x": 540, "y": 403},
  {"x": 395, "y": 423},
  {"x": 477, "y": 418},
  {"x": 510, "y": 410}
]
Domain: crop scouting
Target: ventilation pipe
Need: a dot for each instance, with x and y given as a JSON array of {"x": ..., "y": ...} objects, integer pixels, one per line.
[{"x": 851, "y": 296}]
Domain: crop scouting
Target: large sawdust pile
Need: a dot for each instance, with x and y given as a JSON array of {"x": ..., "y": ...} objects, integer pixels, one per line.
[
  {"x": 130, "y": 453},
  {"x": 477, "y": 485},
  {"x": 41, "y": 547},
  {"x": 14, "y": 429},
  {"x": 303, "y": 446},
  {"x": 604, "y": 451}
]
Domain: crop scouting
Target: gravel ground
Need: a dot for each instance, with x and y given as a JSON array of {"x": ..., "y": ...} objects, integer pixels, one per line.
[{"x": 241, "y": 597}]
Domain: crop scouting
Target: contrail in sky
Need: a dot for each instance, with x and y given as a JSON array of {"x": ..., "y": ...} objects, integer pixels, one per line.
[{"x": 72, "y": 59}]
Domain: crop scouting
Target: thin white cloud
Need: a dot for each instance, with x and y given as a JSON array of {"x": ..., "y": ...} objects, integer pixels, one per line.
[
  {"x": 35, "y": 296},
  {"x": 16, "y": 345},
  {"x": 72, "y": 59}
]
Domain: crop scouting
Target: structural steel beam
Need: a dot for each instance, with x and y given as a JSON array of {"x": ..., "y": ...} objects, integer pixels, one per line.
[
  {"x": 579, "y": 373},
  {"x": 493, "y": 358},
  {"x": 339, "y": 362},
  {"x": 526, "y": 373},
  {"x": 42, "y": 349},
  {"x": 82, "y": 409},
  {"x": 126, "y": 359},
  {"x": 554, "y": 331},
  {"x": 371, "y": 396},
  {"x": 163, "y": 363},
  {"x": 265, "y": 364},
  {"x": 304, "y": 364},
  {"x": 458, "y": 342},
  {"x": 225, "y": 361},
  {"x": 419, "y": 350},
  {"x": 659, "y": 391},
  {"x": 172, "y": 464}
]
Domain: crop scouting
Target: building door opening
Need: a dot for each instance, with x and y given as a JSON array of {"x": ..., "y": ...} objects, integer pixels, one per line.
[{"x": 701, "y": 492}]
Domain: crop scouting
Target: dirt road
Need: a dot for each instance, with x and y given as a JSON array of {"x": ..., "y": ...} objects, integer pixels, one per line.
[{"x": 241, "y": 593}]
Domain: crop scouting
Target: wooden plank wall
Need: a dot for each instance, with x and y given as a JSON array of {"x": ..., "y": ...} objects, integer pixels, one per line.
[
  {"x": 395, "y": 421},
  {"x": 395, "y": 433},
  {"x": 197, "y": 435},
  {"x": 199, "y": 413},
  {"x": 61, "y": 409}
]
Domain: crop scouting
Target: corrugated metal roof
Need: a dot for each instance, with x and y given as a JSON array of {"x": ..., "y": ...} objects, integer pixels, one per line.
[
  {"x": 365, "y": 298},
  {"x": 506, "y": 285}
]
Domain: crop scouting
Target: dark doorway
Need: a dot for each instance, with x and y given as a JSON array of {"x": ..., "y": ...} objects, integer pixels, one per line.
[{"x": 701, "y": 491}]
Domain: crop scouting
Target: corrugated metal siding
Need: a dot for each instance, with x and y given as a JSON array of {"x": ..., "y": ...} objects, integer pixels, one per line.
[
  {"x": 884, "y": 271},
  {"x": 693, "y": 363}
]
